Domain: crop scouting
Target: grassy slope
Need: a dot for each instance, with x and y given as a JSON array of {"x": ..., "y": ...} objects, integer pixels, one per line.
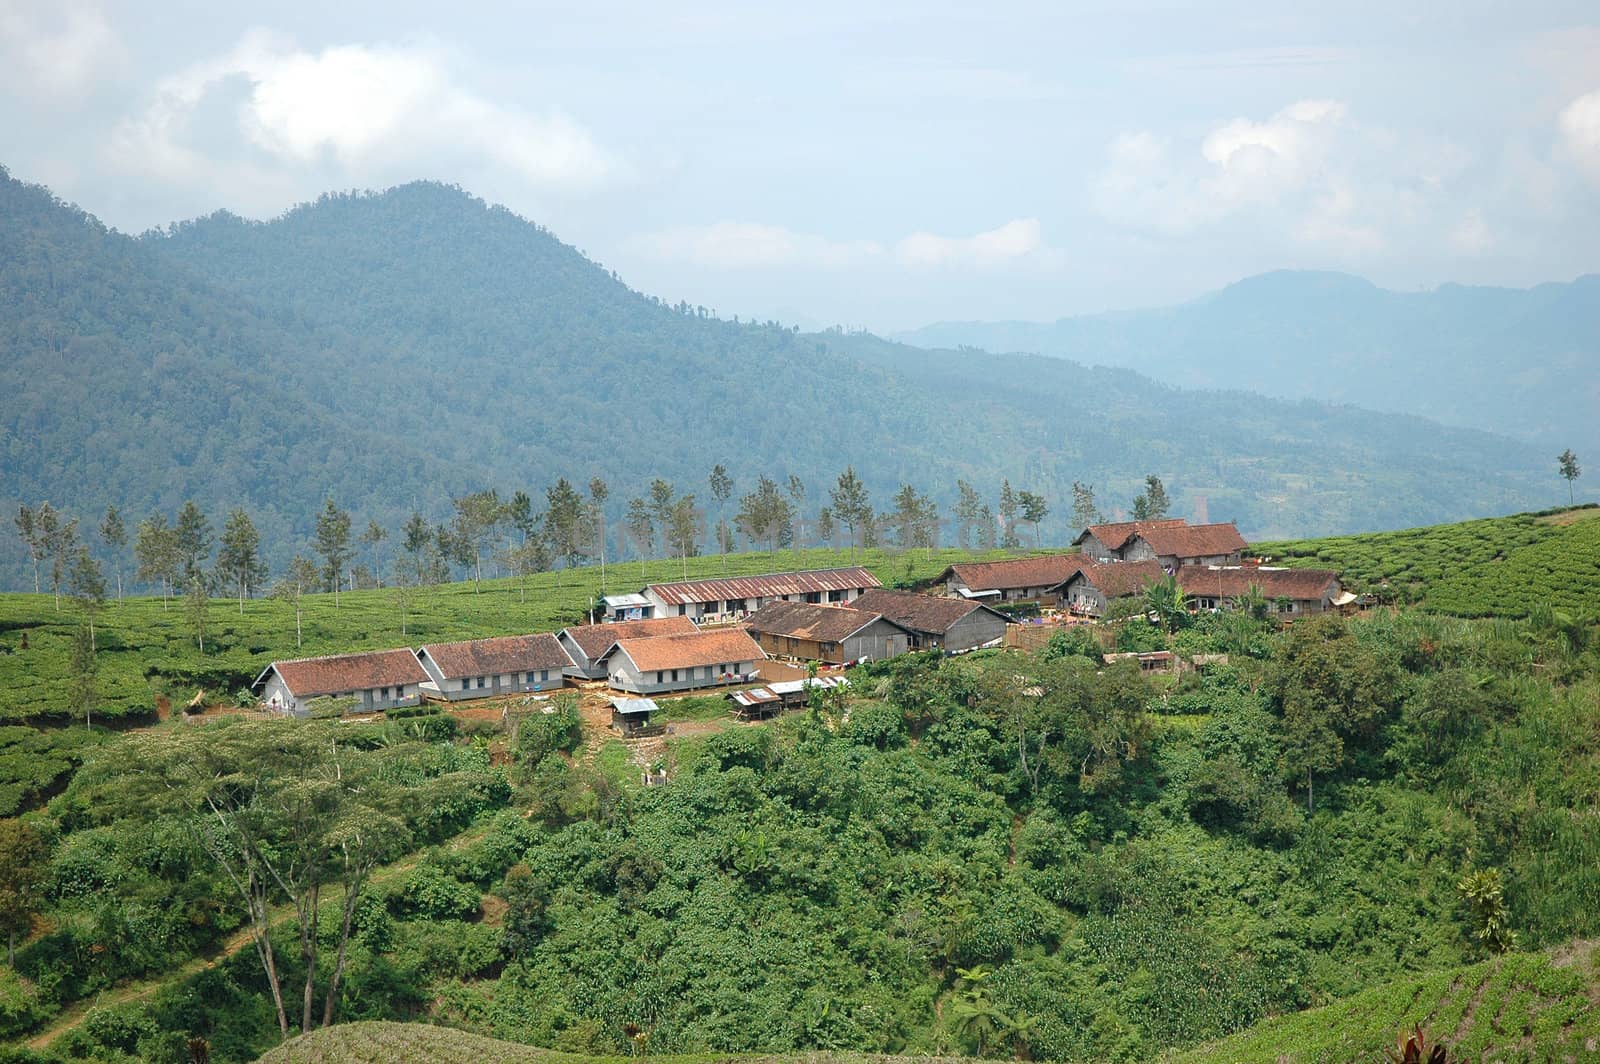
[
  {"x": 420, "y": 1043},
  {"x": 146, "y": 650},
  {"x": 1498, "y": 566},
  {"x": 1520, "y": 1007}
]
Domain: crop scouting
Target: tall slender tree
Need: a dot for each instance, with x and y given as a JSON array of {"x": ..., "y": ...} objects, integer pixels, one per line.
[
  {"x": 568, "y": 526},
  {"x": 1008, "y": 517},
  {"x": 1569, "y": 472},
  {"x": 968, "y": 507},
  {"x": 85, "y": 673},
  {"x": 194, "y": 540},
  {"x": 87, "y": 587},
  {"x": 28, "y": 529},
  {"x": 1084, "y": 510},
  {"x": 662, "y": 497},
  {"x": 1034, "y": 510},
  {"x": 372, "y": 538},
  {"x": 477, "y": 520},
  {"x": 1152, "y": 504},
  {"x": 641, "y": 527},
  {"x": 114, "y": 534},
  {"x": 24, "y": 855},
  {"x": 239, "y": 562},
  {"x": 599, "y": 492},
  {"x": 155, "y": 550},
  {"x": 197, "y": 605},
  {"x": 333, "y": 543},
  {"x": 683, "y": 529},
  {"x": 722, "y": 491},
  {"x": 852, "y": 505},
  {"x": 764, "y": 514},
  {"x": 292, "y": 587},
  {"x": 797, "y": 499}
]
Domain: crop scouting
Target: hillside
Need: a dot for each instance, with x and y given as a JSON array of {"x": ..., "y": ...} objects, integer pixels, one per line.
[
  {"x": 380, "y": 1042},
  {"x": 1519, "y": 1007},
  {"x": 1496, "y": 567},
  {"x": 1525, "y": 363},
  {"x": 397, "y": 349}
]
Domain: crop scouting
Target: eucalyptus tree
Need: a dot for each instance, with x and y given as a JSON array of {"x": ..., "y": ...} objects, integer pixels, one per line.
[{"x": 114, "y": 534}]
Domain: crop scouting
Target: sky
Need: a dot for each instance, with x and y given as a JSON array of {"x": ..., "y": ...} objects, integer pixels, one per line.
[{"x": 878, "y": 165}]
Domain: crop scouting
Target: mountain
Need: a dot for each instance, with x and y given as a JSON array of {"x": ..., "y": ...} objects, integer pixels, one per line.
[
  {"x": 394, "y": 349},
  {"x": 1523, "y": 362}
]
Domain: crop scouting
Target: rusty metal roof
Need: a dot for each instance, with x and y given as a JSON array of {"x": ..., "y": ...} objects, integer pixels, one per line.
[
  {"x": 718, "y": 646},
  {"x": 595, "y": 639},
  {"x": 803, "y": 620},
  {"x": 1193, "y": 541},
  {"x": 1046, "y": 570},
  {"x": 768, "y": 585},
  {"x": 488, "y": 657},
  {"x": 337, "y": 673}
]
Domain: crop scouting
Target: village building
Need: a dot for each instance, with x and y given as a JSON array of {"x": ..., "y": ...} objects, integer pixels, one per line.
[
  {"x": 727, "y": 599},
  {"x": 1174, "y": 548},
  {"x": 588, "y": 644},
  {"x": 631, "y": 717},
  {"x": 759, "y": 703},
  {"x": 1031, "y": 579},
  {"x": 657, "y": 664},
  {"x": 377, "y": 679},
  {"x": 1105, "y": 543},
  {"x": 1090, "y": 591},
  {"x": 832, "y": 634},
  {"x": 1287, "y": 591},
  {"x": 484, "y": 668},
  {"x": 936, "y": 623}
]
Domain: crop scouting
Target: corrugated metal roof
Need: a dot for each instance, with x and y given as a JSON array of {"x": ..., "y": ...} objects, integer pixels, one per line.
[
  {"x": 631, "y": 706},
  {"x": 485, "y": 657},
  {"x": 726, "y": 646},
  {"x": 767, "y": 585},
  {"x": 803, "y": 620},
  {"x": 595, "y": 639}
]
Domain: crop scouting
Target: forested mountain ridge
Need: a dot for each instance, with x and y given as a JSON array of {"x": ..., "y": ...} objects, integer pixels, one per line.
[
  {"x": 1523, "y": 362},
  {"x": 397, "y": 349}
]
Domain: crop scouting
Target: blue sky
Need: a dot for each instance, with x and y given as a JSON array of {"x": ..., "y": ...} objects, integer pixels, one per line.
[{"x": 879, "y": 165}]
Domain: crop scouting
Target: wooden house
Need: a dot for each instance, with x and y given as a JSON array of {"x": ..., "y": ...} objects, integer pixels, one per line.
[
  {"x": 1090, "y": 591},
  {"x": 658, "y": 664},
  {"x": 1288, "y": 591},
  {"x": 484, "y": 668},
  {"x": 937, "y": 623},
  {"x": 732, "y": 598},
  {"x": 833, "y": 634},
  {"x": 1106, "y": 542},
  {"x": 1032, "y": 579},
  {"x": 588, "y": 644},
  {"x": 1185, "y": 545},
  {"x": 377, "y": 679}
]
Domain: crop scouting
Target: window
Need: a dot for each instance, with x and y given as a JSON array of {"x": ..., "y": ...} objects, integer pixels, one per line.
[
  {"x": 735, "y": 605},
  {"x": 836, "y": 596},
  {"x": 661, "y": 677},
  {"x": 482, "y": 682},
  {"x": 466, "y": 684},
  {"x": 674, "y": 675},
  {"x": 708, "y": 607},
  {"x": 683, "y": 609},
  {"x": 544, "y": 675},
  {"x": 813, "y": 596}
]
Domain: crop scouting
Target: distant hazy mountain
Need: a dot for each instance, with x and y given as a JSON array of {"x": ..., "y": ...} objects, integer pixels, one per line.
[
  {"x": 393, "y": 350},
  {"x": 1521, "y": 362}
]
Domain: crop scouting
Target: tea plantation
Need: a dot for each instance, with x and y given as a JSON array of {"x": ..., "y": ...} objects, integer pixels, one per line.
[{"x": 1495, "y": 567}]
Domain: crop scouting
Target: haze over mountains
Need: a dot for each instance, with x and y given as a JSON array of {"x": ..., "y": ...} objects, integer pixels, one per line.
[
  {"x": 1524, "y": 362},
  {"x": 392, "y": 350}
]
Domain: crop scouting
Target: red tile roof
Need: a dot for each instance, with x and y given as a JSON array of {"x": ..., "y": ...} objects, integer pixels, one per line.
[
  {"x": 1115, "y": 536},
  {"x": 715, "y": 646},
  {"x": 1116, "y": 579},
  {"x": 1046, "y": 570},
  {"x": 493, "y": 657},
  {"x": 595, "y": 639},
  {"x": 765, "y": 586},
  {"x": 934, "y": 614},
  {"x": 1305, "y": 585},
  {"x": 1194, "y": 541},
  {"x": 309, "y": 677},
  {"x": 803, "y": 620}
]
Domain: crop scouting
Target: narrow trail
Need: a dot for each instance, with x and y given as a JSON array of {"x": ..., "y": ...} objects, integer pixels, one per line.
[{"x": 140, "y": 989}]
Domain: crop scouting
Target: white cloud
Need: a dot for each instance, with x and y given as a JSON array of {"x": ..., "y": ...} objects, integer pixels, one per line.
[
  {"x": 1309, "y": 172},
  {"x": 1579, "y": 123},
  {"x": 742, "y": 244},
  {"x": 1017, "y": 239},
  {"x": 745, "y": 244},
  {"x": 358, "y": 113},
  {"x": 56, "y": 51}
]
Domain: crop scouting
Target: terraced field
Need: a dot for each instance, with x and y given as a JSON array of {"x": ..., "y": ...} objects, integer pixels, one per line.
[
  {"x": 1520, "y": 1007},
  {"x": 413, "y": 1043},
  {"x": 1500, "y": 566}
]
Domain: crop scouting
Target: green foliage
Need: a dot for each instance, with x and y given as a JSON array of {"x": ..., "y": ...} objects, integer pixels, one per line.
[{"x": 1496, "y": 567}]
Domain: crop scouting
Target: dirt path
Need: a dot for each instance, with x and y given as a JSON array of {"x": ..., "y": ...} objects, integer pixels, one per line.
[{"x": 140, "y": 989}]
